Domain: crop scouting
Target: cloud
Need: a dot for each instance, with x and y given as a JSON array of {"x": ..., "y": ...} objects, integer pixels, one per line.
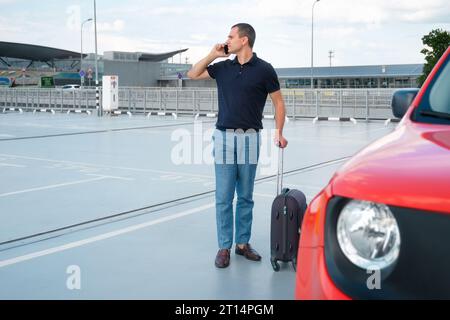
[
  {"x": 113, "y": 42},
  {"x": 283, "y": 8},
  {"x": 199, "y": 37},
  {"x": 418, "y": 11},
  {"x": 360, "y": 31},
  {"x": 337, "y": 32},
  {"x": 355, "y": 11},
  {"x": 8, "y": 29},
  {"x": 283, "y": 39},
  {"x": 115, "y": 26},
  {"x": 168, "y": 11}
]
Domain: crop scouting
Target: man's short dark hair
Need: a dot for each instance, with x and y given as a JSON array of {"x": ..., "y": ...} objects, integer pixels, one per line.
[{"x": 246, "y": 30}]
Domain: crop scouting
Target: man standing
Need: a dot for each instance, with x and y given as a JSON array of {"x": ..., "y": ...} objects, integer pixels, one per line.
[{"x": 243, "y": 85}]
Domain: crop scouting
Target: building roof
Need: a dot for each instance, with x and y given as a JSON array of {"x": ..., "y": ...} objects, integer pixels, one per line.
[
  {"x": 35, "y": 53},
  {"x": 393, "y": 70},
  {"x": 139, "y": 56},
  {"x": 155, "y": 57}
]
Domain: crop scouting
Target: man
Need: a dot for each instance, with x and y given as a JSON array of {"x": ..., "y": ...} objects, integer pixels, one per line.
[{"x": 243, "y": 85}]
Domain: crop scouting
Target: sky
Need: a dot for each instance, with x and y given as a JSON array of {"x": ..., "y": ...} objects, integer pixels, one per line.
[{"x": 359, "y": 32}]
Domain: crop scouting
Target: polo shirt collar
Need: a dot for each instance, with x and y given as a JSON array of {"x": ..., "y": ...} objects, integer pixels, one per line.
[{"x": 250, "y": 62}]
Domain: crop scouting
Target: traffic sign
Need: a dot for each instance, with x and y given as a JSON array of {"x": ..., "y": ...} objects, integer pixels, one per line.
[
  {"x": 82, "y": 73},
  {"x": 89, "y": 76}
]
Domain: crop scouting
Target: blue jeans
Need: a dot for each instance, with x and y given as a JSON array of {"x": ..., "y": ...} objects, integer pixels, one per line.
[{"x": 236, "y": 157}]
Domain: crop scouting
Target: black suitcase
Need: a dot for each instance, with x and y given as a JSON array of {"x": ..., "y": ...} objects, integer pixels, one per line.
[{"x": 288, "y": 209}]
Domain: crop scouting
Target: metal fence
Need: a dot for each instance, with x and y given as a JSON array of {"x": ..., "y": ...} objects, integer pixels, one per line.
[{"x": 300, "y": 103}]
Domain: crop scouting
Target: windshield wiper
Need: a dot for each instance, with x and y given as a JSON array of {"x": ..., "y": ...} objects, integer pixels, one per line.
[{"x": 435, "y": 114}]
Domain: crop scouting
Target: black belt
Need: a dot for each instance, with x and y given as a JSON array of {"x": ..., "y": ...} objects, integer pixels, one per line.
[{"x": 234, "y": 129}]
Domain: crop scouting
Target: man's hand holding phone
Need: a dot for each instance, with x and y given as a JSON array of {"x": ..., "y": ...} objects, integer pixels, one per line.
[{"x": 220, "y": 50}]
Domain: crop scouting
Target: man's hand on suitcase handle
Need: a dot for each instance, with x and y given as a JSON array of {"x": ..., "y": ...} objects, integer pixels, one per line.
[{"x": 280, "y": 141}]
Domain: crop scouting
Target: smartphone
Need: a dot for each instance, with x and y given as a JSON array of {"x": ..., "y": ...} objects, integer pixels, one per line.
[{"x": 225, "y": 48}]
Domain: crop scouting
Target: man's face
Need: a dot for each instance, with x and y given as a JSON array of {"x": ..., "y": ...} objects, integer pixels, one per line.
[{"x": 234, "y": 42}]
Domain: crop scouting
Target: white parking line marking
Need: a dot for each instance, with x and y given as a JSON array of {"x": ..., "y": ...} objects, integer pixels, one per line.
[
  {"x": 52, "y": 186},
  {"x": 110, "y": 177},
  {"x": 110, "y": 167},
  {"x": 100, "y": 237},
  {"x": 12, "y": 165}
]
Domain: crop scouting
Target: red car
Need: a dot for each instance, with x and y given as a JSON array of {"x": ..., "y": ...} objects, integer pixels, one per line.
[{"x": 380, "y": 229}]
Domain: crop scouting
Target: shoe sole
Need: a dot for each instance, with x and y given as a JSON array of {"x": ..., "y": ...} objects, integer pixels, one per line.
[
  {"x": 242, "y": 254},
  {"x": 221, "y": 267}
]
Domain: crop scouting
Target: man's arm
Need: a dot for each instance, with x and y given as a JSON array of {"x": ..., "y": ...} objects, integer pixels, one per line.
[
  {"x": 198, "y": 70},
  {"x": 280, "y": 114}
]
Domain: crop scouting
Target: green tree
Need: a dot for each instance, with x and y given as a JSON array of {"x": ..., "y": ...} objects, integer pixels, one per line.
[{"x": 436, "y": 42}]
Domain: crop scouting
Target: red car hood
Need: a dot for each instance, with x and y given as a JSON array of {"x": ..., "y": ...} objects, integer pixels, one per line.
[{"x": 409, "y": 168}]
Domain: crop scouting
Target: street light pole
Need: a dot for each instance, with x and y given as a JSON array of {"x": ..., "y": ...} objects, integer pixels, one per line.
[
  {"x": 81, "y": 49},
  {"x": 97, "y": 94},
  {"x": 312, "y": 43}
]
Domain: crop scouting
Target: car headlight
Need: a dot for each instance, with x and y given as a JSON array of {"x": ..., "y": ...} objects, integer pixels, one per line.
[{"x": 368, "y": 234}]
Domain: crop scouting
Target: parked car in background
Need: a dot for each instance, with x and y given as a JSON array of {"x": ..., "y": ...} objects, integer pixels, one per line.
[
  {"x": 4, "y": 81},
  {"x": 380, "y": 229},
  {"x": 71, "y": 87}
]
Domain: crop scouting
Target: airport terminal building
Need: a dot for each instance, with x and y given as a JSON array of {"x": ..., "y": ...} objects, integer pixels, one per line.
[
  {"x": 374, "y": 76},
  {"x": 25, "y": 64}
]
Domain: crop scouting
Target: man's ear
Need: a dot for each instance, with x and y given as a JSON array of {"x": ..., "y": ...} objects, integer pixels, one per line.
[{"x": 244, "y": 40}]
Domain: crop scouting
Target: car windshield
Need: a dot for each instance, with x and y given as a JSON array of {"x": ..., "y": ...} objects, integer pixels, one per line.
[{"x": 435, "y": 104}]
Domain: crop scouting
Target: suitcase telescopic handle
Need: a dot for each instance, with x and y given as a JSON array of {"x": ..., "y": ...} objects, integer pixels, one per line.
[{"x": 280, "y": 169}]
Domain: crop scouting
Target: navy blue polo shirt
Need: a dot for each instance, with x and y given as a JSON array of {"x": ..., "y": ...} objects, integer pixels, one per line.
[{"x": 242, "y": 91}]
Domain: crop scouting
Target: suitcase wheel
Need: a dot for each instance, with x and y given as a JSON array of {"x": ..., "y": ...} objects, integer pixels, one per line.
[{"x": 275, "y": 265}]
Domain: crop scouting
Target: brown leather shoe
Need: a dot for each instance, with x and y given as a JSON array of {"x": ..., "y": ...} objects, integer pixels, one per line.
[
  {"x": 223, "y": 258},
  {"x": 248, "y": 252}
]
